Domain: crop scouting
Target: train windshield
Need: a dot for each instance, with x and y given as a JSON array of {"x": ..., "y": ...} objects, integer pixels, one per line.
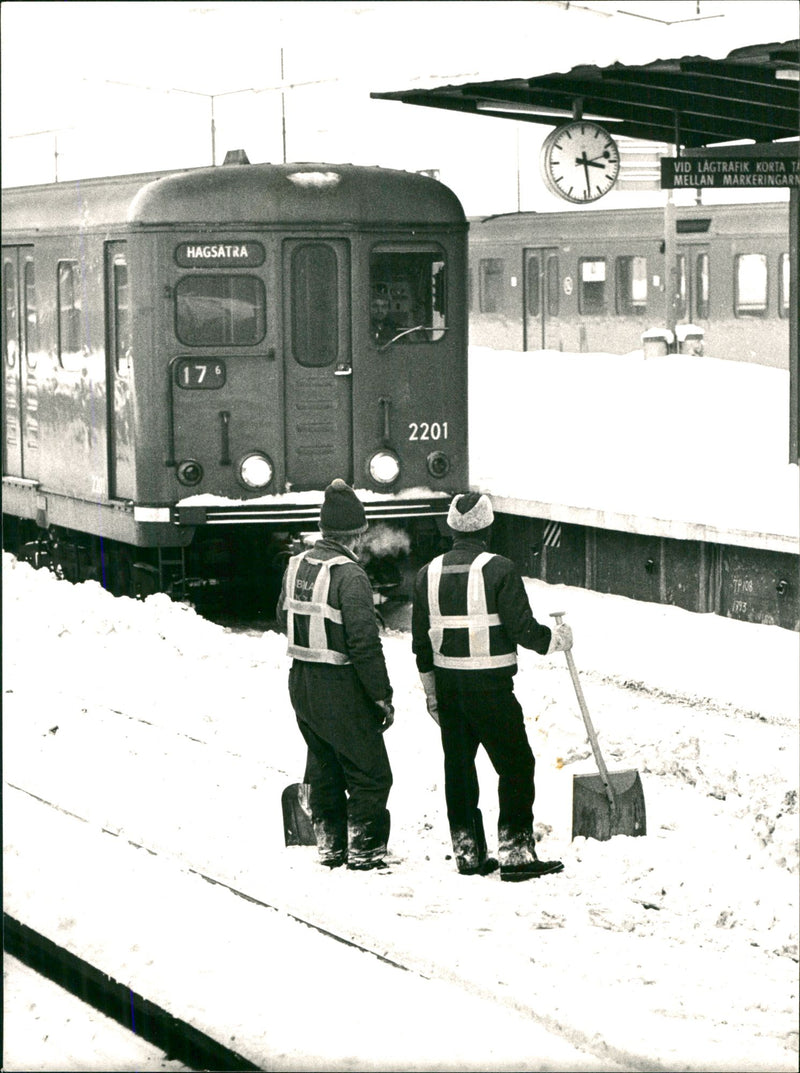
[
  {"x": 407, "y": 295},
  {"x": 220, "y": 310}
]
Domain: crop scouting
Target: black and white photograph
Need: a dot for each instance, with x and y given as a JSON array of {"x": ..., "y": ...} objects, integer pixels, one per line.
[{"x": 401, "y": 536}]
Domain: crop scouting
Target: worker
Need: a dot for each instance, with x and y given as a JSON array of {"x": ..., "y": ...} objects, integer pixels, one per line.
[
  {"x": 470, "y": 612},
  {"x": 339, "y": 687}
]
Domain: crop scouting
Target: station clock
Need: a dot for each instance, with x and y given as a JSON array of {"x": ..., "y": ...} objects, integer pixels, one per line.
[{"x": 579, "y": 161}]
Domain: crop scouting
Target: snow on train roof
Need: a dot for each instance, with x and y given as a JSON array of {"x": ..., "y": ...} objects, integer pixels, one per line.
[{"x": 235, "y": 194}]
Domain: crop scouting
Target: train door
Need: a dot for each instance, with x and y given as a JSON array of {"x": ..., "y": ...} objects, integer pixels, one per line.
[
  {"x": 20, "y": 352},
  {"x": 119, "y": 370},
  {"x": 317, "y": 362},
  {"x": 541, "y": 291},
  {"x": 692, "y": 299}
]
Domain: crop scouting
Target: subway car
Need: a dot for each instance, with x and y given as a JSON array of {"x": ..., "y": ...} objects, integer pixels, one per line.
[
  {"x": 191, "y": 357},
  {"x": 597, "y": 280}
]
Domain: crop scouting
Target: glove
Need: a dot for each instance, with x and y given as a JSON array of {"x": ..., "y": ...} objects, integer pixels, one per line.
[
  {"x": 428, "y": 679},
  {"x": 387, "y": 711},
  {"x": 561, "y": 639}
]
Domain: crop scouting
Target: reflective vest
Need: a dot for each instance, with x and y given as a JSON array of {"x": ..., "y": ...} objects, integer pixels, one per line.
[
  {"x": 470, "y": 641},
  {"x": 314, "y": 628}
]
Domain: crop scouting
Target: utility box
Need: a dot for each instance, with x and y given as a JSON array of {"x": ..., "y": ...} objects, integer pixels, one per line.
[
  {"x": 691, "y": 339},
  {"x": 657, "y": 342}
]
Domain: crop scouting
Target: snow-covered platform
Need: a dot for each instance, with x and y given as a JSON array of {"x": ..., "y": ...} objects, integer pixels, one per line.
[{"x": 151, "y": 753}]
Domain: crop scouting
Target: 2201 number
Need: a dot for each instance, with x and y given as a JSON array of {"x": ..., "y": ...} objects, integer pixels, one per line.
[{"x": 426, "y": 431}]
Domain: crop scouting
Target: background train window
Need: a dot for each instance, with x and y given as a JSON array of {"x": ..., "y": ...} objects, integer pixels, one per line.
[
  {"x": 70, "y": 315},
  {"x": 407, "y": 291},
  {"x": 702, "y": 286},
  {"x": 681, "y": 288},
  {"x": 220, "y": 310},
  {"x": 631, "y": 285},
  {"x": 783, "y": 285},
  {"x": 750, "y": 275},
  {"x": 31, "y": 316},
  {"x": 315, "y": 305},
  {"x": 553, "y": 286},
  {"x": 490, "y": 285},
  {"x": 534, "y": 296},
  {"x": 592, "y": 293},
  {"x": 122, "y": 317}
]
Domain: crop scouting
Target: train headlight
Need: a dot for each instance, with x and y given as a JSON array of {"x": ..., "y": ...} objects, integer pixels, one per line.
[
  {"x": 255, "y": 470},
  {"x": 438, "y": 464},
  {"x": 189, "y": 472},
  {"x": 384, "y": 467}
]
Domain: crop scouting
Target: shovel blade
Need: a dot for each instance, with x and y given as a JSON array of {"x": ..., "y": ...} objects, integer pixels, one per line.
[
  {"x": 591, "y": 809},
  {"x": 297, "y": 827}
]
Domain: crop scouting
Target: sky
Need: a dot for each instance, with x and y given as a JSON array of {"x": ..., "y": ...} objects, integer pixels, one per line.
[
  {"x": 127, "y": 86},
  {"x": 154, "y": 728}
]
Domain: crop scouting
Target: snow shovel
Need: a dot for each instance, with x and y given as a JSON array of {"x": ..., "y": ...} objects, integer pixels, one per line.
[
  {"x": 297, "y": 827},
  {"x": 603, "y": 805}
]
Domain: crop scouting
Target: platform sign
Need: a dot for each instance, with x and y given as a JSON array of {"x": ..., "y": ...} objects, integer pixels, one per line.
[{"x": 734, "y": 173}]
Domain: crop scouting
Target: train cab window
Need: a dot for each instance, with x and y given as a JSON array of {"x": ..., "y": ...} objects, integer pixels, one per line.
[
  {"x": 592, "y": 293},
  {"x": 702, "y": 286},
  {"x": 490, "y": 285},
  {"x": 750, "y": 278},
  {"x": 783, "y": 285},
  {"x": 31, "y": 311},
  {"x": 220, "y": 310},
  {"x": 407, "y": 296},
  {"x": 631, "y": 286},
  {"x": 70, "y": 315}
]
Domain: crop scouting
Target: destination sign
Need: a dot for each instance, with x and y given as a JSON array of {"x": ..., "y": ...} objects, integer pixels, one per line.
[
  {"x": 734, "y": 173},
  {"x": 220, "y": 253}
]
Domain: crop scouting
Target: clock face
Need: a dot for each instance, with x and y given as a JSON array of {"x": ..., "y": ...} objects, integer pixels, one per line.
[{"x": 580, "y": 161}]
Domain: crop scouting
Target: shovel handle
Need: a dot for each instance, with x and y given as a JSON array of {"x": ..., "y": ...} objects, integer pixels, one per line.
[{"x": 598, "y": 756}]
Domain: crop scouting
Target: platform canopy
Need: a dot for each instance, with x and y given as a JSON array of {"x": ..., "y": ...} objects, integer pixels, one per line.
[{"x": 686, "y": 74}]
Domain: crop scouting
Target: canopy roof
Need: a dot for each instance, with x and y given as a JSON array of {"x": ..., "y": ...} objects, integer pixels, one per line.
[{"x": 703, "y": 81}]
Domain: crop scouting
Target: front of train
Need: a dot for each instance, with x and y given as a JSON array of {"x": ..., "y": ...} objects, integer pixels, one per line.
[{"x": 315, "y": 326}]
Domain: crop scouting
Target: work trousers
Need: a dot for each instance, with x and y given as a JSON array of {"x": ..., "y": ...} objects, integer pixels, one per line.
[
  {"x": 486, "y": 714},
  {"x": 347, "y": 766}
]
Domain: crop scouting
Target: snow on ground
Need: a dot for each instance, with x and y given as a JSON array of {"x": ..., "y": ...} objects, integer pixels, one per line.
[{"x": 677, "y": 950}]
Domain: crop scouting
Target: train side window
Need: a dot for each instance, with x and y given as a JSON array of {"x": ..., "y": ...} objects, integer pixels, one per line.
[
  {"x": 220, "y": 310},
  {"x": 31, "y": 316},
  {"x": 123, "y": 341},
  {"x": 681, "y": 289},
  {"x": 71, "y": 333},
  {"x": 490, "y": 284},
  {"x": 750, "y": 277},
  {"x": 631, "y": 286},
  {"x": 10, "y": 325},
  {"x": 702, "y": 286},
  {"x": 407, "y": 295},
  {"x": 592, "y": 294},
  {"x": 783, "y": 285},
  {"x": 553, "y": 286}
]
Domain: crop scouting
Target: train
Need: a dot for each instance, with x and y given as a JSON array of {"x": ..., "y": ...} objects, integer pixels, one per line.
[
  {"x": 601, "y": 280},
  {"x": 190, "y": 357}
]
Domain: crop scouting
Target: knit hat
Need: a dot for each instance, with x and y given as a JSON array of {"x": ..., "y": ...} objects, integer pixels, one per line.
[
  {"x": 470, "y": 512},
  {"x": 342, "y": 513}
]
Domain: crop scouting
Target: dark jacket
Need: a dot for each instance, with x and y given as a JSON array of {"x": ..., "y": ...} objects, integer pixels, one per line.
[
  {"x": 505, "y": 593},
  {"x": 351, "y": 593}
]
